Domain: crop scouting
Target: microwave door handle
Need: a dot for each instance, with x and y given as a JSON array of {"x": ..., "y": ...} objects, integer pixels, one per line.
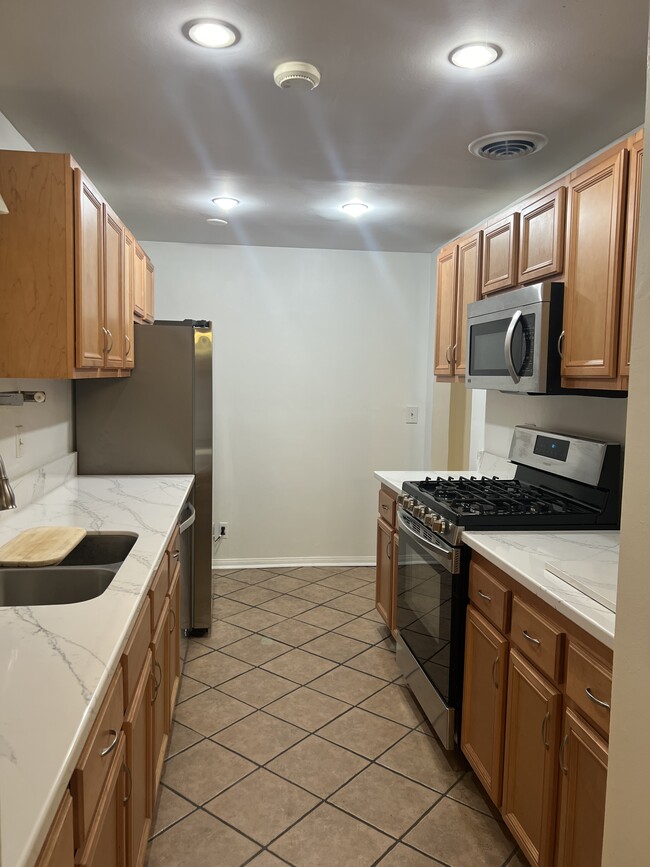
[{"x": 507, "y": 347}]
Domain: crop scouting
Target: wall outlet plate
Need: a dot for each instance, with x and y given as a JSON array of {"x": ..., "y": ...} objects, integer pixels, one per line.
[{"x": 411, "y": 415}]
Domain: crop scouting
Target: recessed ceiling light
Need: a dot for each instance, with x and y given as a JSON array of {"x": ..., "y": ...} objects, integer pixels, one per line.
[
  {"x": 226, "y": 202},
  {"x": 474, "y": 55},
  {"x": 211, "y": 33},
  {"x": 354, "y": 209},
  {"x": 217, "y": 221}
]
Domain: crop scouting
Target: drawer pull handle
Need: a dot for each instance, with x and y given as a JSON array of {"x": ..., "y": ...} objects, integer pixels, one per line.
[
  {"x": 484, "y": 596},
  {"x": 494, "y": 669},
  {"x": 176, "y": 555},
  {"x": 111, "y": 746},
  {"x": 156, "y": 683},
  {"x": 388, "y": 550},
  {"x": 563, "y": 767},
  {"x": 384, "y": 507},
  {"x": 545, "y": 722},
  {"x": 595, "y": 700},
  {"x": 127, "y": 340},
  {"x": 530, "y": 638},
  {"x": 172, "y": 614},
  {"x": 127, "y": 798}
]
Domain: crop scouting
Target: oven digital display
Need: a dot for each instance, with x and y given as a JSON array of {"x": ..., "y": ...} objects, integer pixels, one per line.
[{"x": 548, "y": 447}]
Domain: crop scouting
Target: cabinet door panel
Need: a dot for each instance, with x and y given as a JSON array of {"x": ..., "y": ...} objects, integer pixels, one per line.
[
  {"x": 105, "y": 844},
  {"x": 89, "y": 266},
  {"x": 129, "y": 299},
  {"x": 530, "y": 768},
  {"x": 469, "y": 287},
  {"x": 139, "y": 281},
  {"x": 593, "y": 274},
  {"x": 160, "y": 722},
  {"x": 629, "y": 261},
  {"x": 58, "y": 850},
  {"x": 541, "y": 245},
  {"x": 584, "y": 780},
  {"x": 446, "y": 310},
  {"x": 174, "y": 661},
  {"x": 484, "y": 701},
  {"x": 385, "y": 590},
  {"x": 500, "y": 248},
  {"x": 139, "y": 806},
  {"x": 113, "y": 289}
]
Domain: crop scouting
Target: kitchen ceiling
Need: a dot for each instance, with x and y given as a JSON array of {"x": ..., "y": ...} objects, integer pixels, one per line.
[{"x": 162, "y": 126}]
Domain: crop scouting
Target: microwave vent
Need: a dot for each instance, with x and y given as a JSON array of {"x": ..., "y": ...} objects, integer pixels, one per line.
[{"x": 507, "y": 145}]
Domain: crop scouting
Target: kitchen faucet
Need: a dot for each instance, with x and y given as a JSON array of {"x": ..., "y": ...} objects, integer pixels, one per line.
[{"x": 7, "y": 496}]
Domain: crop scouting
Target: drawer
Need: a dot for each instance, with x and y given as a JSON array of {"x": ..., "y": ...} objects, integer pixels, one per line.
[
  {"x": 135, "y": 652},
  {"x": 96, "y": 759},
  {"x": 584, "y": 673},
  {"x": 58, "y": 849},
  {"x": 174, "y": 553},
  {"x": 158, "y": 591},
  {"x": 537, "y": 639},
  {"x": 105, "y": 841},
  {"x": 387, "y": 505},
  {"x": 489, "y": 596}
]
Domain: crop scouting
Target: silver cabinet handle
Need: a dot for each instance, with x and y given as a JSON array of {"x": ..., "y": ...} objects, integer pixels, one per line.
[
  {"x": 173, "y": 626},
  {"x": 560, "y": 340},
  {"x": 156, "y": 683},
  {"x": 484, "y": 596},
  {"x": 128, "y": 345},
  {"x": 507, "y": 346},
  {"x": 388, "y": 550},
  {"x": 545, "y": 722},
  {"x": 105, "y": 330},
  {"x": 595, "y": 700},
  {"x": 384, "y": 507},
  {"x": 127, "y": 798},
  {"x": 111, "y": 746},
  {"x": 447, "y": 359},
  {"x": 494, "y": 668},
  {"x": 176, "y": 555},
  {"x": 563, "y": 767},
  {"x": 530, "y": 638},
  {"x": 110, "y": 335},
  {"x": 453, "y": 352}
]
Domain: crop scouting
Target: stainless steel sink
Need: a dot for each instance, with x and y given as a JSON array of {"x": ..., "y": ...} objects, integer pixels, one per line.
[
  {"x": 101, "y": 549},
  {"x": 52, "y": 585}
]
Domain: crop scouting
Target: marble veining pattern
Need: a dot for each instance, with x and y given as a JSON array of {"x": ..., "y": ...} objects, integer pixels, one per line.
[
  {"x": 35, "y": 484},
  {"x": 56, "y": 660}
]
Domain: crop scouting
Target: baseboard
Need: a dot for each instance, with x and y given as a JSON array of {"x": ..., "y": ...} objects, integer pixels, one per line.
[{"x": 294, "y": 562}]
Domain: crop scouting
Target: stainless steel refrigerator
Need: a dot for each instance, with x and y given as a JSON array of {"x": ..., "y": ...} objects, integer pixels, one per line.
[{"x": 159, "y": 421}]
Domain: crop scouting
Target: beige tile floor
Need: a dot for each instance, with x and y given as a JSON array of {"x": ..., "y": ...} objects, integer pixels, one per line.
[{"x": 296, "y": 742}]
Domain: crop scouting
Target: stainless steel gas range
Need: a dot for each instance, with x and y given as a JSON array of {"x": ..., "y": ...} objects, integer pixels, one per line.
[{"x": 562, "y": 482}]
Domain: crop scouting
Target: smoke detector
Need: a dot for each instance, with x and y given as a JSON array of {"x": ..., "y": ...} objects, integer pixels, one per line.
[
  {"x": 507, "y": 145},
  {"x": 296, "y": 74}
]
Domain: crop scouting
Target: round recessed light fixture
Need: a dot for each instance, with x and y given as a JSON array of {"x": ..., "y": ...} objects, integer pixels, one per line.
[
  {"x": 210, "y": 33},
  {"x": 354, "y": 209},
  {"x": 217, "y": 221},
  {"x": 226, "y": 203},
  {"x": 474, "y": 55}
]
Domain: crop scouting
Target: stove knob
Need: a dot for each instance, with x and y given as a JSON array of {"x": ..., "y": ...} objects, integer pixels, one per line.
[
  {"x": 428, "y": 518},
  {"x": 419, "y": 511},
  {"x": 408, "y": 502},
  {"x": 436, "y": 523},
  {"x": 400, "y": 499}
]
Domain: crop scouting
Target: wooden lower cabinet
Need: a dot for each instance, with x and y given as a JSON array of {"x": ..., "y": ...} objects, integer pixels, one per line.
[
  {"x": 484, "y": 701},
  {"x": 533, "y": 720},
  {"x": 139, "y": 806},
  {"x": 159, "y": 699},
  {"x": 386, "y": 572},
  {"x": 583, "y": 761},
  {"x": 105, "y": 844},
  {"x": 58, "y": 850},
  {"x": 174, "y": 643}
]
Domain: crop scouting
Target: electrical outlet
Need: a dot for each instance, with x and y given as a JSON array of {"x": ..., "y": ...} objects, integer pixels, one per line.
[
  {"x": 411, "y": 415},
  {"x": 223, "y": 531}
]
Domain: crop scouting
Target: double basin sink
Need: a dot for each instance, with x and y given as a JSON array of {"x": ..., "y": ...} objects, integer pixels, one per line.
[{"x": 85, "y": 573}]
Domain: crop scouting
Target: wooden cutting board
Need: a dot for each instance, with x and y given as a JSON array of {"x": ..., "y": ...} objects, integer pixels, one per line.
[{"x": 41, "y": 546}]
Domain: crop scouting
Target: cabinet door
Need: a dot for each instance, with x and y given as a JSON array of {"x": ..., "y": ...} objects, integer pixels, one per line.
[
  {"x": 583, "y": 760},
  {"x": 629, "y": 259},
  {"x": 593, "y": 274},
  {"x": 139, "y": 268},
  {"x": 541, "y": 243},
  {"x": 159, "y": 700},
  {"x": 139, "y": 798},
  {"x": 129, "y": 268},
  {"x": 174, "y": 661},
  {"x": 385, "y": 591},
  {"x": 500, "y": 247},
  {"x": 530, "y": 768},
  {"x": 105, "y": 845},
  {"x": 446, "y": 310},
  {"x": 58, "y": 850},
  {"x": 89, "y": 273},
  {"x": 484, "y": 701},
  {"x": 468, "y": 290},
  {"x": 113, "y": 290},
  {"x": 148, "y": 291}
]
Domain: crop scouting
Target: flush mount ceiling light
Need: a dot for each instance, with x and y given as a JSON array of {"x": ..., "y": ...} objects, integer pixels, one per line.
[
  {"x": 296, "y": 74},
  {"x": 226, "y": 203},
  {"x": 354, "y": 209},
  {"x": 507, "y": 145},
  {"x": 217, "y": 221},
  {"x": 473, "y": 55},
  {"x": 210, "y": 33}
]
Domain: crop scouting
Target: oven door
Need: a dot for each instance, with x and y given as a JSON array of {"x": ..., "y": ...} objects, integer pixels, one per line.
[{"x": 431, "y": 603}]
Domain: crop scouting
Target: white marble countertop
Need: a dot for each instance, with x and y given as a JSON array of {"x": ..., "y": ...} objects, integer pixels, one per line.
[
  {"x": 57, "y": 660},
  {"x": 524, "y": 556}
]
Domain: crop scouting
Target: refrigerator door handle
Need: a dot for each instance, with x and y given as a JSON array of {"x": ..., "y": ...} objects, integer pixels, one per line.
[{"x": 187, "y": 523}]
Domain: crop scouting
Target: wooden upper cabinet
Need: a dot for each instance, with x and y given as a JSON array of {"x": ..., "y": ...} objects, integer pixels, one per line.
[
  {"x": 500, "y": 248},
  {"x": 114, "y": 287},
  {"x": 629, "y": 259},
  {"x": 446, "y": 310},
  {"x": 595, "y": 229},
  {"x": 129, "y": 265},
  {"x": 541, "y": 241},
  {"x": 468, "y": 290},
  {"x": 148, "y": 291},
  {"x": 139, "y": 282},
  {"x": 89, "y": 261}
]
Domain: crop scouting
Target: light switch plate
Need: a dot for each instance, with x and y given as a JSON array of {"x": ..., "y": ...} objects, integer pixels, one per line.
[{"x": 411, "y": 415}]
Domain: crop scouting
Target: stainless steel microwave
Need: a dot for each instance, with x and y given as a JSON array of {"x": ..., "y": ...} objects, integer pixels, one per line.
[{"x": 513, "y": 340}]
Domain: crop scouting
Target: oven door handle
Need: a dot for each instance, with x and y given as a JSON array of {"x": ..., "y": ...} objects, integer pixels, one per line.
[
  {"x": 441, "y": 553},
  {"x": 507, "y": 346}
]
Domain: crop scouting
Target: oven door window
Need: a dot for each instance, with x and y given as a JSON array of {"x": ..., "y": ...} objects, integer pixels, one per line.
[
  {"x": 487, "y": 346},
  {"x": 424, "y": 611}
]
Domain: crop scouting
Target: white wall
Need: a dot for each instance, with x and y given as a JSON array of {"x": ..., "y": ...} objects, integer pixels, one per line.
[
  {"x": 317, "y": 354},
  {"x": 47, "y": 428}
]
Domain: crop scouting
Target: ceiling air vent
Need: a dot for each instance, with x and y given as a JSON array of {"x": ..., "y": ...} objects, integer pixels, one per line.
[{"x": 507, "y": 145}]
